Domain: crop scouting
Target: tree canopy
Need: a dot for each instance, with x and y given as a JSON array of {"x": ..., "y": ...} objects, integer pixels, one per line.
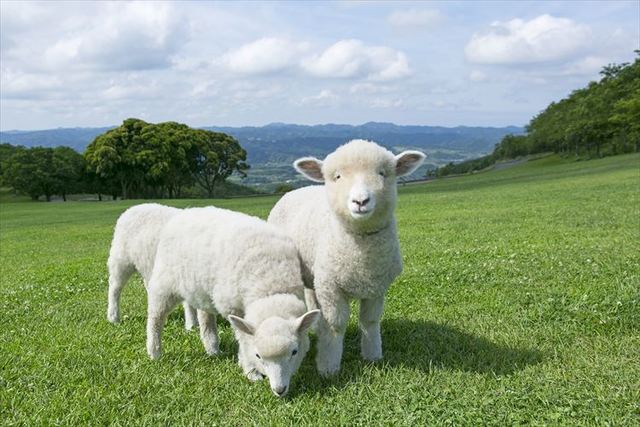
[{"x": 157, "y": 160}]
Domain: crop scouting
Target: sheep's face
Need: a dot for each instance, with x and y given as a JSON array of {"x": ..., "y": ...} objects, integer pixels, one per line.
[
  {"x": 277, "y": 346},
  {"x": 360, "y": 178}
]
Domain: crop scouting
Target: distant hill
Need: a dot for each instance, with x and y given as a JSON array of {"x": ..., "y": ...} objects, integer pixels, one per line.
[
  {"x": 273, "y": 147},
  {"x": 76, "y": 138},
  {"x": 279, "y": 142}
]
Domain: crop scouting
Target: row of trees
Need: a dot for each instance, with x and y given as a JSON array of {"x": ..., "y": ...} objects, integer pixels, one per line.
[
  {"x": 598, "y": 120},
  {"x": 42, "y": 171},
  {"x": 134, "y": 160}
]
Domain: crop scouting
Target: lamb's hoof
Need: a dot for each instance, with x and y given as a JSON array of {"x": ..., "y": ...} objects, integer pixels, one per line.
[
  {"x": 327, "y": 371},
  {"x": 254, "y": 376},
  {"x": 154, "y": 354},
  {"x": 212, "y": 351},
  {"x": 113, "y": 317},
  {"x": 372, "y": 356},
  {"x": 190, "y": 326}
]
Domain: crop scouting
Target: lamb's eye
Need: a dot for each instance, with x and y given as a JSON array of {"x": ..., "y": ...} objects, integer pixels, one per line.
[
  {"x": 258, "y": 356},
  {"x": 336, "y": 176},
  {"x": 294, "y": 352},
  {"x": 382, "y": 174}
]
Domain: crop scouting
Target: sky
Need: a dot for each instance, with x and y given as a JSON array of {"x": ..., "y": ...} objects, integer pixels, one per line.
[{"x": 84, "y": 64}]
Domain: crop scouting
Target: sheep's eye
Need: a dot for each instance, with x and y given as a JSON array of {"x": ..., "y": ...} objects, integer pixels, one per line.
[
  {"x": 382, "y": 174},
  {"x": 294, "y": 352},
  {"x": 258, "y": 356},
  {"x": 337, "y": 176}
]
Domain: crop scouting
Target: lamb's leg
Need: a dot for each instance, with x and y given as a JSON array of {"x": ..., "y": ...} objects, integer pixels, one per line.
[
  {"x": 370, "y": 340},
  {"x": 159, "y": 306},
  {"x": 190, "y": 316},
  {"x": 119, "y": 274},
  {"x": 208, "y": 331},
  {"x": 330, "y": 330}
]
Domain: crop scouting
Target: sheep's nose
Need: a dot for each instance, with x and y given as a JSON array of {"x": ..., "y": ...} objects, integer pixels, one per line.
[
  {"x": 362, "y": 202},
  {"x": 280, "y": 391}
]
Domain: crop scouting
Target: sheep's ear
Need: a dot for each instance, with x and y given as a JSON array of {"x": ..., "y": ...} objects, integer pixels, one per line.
[
  {"x": 408, "y": 161},
  {"x": 310, "y": 167},
  {"x": 241, "y": 325},
  {"x": 307, "y": 320}
]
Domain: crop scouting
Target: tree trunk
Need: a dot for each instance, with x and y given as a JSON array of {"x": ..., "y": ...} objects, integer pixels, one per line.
[
  {"x": 99, "y": 197},
  {"x": 64, "y": 197},
  {"x": 124, "y": 189},
  {"x": 48, "y": 196}
]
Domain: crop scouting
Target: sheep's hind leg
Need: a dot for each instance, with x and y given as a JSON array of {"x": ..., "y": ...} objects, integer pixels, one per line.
[
  {"x": 190, "y": 316},
  {"x": 208, "y": 332},
  {"x": 119, "y": 274},
  {"x": 159, "y": 306},
  {"x": 331, "y": 329},
  {"x": 370, "y": 340}
]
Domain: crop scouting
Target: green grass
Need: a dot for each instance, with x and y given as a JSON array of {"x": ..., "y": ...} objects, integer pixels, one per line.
[{"x": 519, "y": 304}]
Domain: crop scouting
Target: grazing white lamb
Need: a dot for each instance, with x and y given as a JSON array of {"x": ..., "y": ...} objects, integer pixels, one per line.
[
  {"x": 133, "y": 248},
  {"x": 228, "y": 263},
  {"x": 346, "y": 233}
]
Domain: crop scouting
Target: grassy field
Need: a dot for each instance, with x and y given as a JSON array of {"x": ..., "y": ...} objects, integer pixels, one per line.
[{"x": 519, "y": 304}]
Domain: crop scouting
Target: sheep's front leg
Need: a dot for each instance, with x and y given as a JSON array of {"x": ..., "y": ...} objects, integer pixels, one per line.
[
  {"x": 159, "y": 306},
  {"x": 190, "y": 317},
  {"x": 370, "y": 340},
  {"x": 208, "y": 332},
  {"x": 330, "y": 330}
]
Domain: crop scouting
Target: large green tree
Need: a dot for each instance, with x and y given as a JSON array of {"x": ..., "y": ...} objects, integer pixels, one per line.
[
  {"x": 154, "y": 160},
  {"x": 217, "y": 156}
]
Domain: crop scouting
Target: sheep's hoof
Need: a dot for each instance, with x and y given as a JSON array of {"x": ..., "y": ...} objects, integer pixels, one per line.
[
  {"x": 189, "y": 326},
  {"x": 328, "y": 370},
  {"x": 212, "y": 351},
  {"x": 371, "y": 356},
  {"x": 154, "y": 354},
  {"x": 113, "y": 317}
]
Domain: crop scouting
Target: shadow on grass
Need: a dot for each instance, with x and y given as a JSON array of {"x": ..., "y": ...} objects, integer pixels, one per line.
[
  {"x": 422, "y": 345},
  {"x": 408, "y": 344}
]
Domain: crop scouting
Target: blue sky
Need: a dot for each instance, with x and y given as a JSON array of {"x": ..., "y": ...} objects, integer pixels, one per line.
[{"x": 433, "y": 63}]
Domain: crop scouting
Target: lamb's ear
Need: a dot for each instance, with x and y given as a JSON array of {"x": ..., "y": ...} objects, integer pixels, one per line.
[
  {"x": 241, "y": 325},
  {"x": 408, "y": 161},
  {"x": 310, "y": 167},
  {"x": 307, "y": 320}
]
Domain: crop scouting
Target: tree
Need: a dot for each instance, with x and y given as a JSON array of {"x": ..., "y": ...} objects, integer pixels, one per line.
[
  {"x": 218, "y": 155},
  {"x": 30, "y": 171},
  {"x": 68, "y": 171},
  {"x": 118, "y": 155}
]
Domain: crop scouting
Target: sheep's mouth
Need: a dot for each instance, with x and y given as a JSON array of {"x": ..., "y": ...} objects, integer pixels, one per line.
[{"x": 360, "y": 213}]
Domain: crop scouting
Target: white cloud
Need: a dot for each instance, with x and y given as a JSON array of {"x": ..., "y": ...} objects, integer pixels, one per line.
[
  {"x": 368, "y": 88},
  {"x": 386, "y": 103},
  {"x": 587, "y": 66},
  {"x": 16, "y": 84},
  {"x": 325, "y": 98},
  {"x": 265, "y": 55},
  {"x": 354, "y": 59},
  {"x": 478, "y": 76},
  {"x": 98, "y": 36},
  {"x": 545, "y": 38},
  {"x": 413, "y": 19}
]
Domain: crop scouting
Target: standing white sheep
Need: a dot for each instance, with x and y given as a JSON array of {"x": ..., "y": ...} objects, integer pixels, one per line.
[
  {"x": 228, "y": 263},
  {"x": 346, "y": 233},
  {"x": 135, "y": 240}
]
